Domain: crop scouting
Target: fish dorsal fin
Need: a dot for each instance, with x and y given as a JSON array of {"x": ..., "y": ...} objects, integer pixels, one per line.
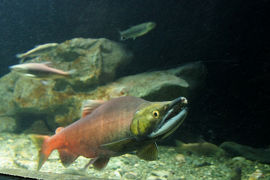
[
  {"x": 66, "y": 157},
  {"x": 117, "y": 146},
  {"x": 89, "y": 106},
  {"x": 148, "y": 152},
  {"x": 59, "y": 129}
]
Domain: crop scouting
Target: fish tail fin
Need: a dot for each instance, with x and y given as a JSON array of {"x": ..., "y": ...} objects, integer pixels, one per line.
[
  {"x": 180, "y": 146},
  {"x": 179, "y": 143},
  {"x": 71, "y": 72},
  {"x": 122, "y": 37},
  {"x": 67, "y": 157},
  {"x": 42, "y": 143}
]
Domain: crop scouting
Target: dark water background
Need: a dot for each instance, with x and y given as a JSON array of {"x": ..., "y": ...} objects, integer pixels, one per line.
[{"x": 230, "y": 36}]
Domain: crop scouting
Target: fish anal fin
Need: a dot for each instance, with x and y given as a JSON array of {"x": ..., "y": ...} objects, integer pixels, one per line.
[
  {"x": 148, "y": 152},
  {"x": 89, "y": 106},
  {"x": 101, "y": 163},
  {"x": 66, "y": 157}
]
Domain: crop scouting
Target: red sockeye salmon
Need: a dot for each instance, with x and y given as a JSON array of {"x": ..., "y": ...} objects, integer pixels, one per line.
[{"x": 112, "y": 128}]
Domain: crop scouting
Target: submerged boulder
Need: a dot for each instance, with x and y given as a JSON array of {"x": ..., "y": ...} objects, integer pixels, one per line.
[
  {"x": 95, "y": 61},
  {"x": 8, "y": 122},
  {"x": 58, "y": 103}
]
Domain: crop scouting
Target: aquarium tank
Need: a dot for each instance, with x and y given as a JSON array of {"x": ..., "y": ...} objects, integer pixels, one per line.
[{"x": 138, "y": 89}]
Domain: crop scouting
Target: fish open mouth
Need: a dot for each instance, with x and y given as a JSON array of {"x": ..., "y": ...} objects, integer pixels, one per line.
[{"x": 177, "y": 112}]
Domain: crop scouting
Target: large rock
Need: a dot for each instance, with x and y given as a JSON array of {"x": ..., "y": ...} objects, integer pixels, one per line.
[
  {"x": 7, "y": 121},
  {"x": 59, "y": 102},
  {"x": 95, "y": 60}
]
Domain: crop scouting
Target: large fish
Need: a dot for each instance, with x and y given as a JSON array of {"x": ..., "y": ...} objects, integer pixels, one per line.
[
  {"x": 40, "y": 71},
  {"x": 112, "y": 128},
  {"x": 138, "y": 30}
]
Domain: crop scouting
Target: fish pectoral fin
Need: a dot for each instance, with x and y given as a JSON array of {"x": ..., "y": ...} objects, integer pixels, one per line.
[
  {"x": 148, "y": 152},
  {"x": 116, "y": 146},
  {"x": 89, "y": 106},
  {"x": 66, "y": 157}
]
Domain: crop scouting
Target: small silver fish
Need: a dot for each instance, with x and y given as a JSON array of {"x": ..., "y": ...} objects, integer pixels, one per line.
[
  {"x": 37, "y": 50},
  {"x": 40, "y": 71},
  {"x": 138, "y": 30}
]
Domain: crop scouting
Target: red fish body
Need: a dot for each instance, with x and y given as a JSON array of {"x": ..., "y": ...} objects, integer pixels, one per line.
[
  {"x": 98, "y": 128},
  {"x": 103, "y": 133}
]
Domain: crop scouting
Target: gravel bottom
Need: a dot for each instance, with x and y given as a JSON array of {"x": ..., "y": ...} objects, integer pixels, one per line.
[{"x": 19, "y": 152}]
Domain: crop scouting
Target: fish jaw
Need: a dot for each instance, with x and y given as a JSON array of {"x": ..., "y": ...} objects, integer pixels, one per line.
[
  {"x": 174, "y": 117},
  {"x": 157, "y": 120}
]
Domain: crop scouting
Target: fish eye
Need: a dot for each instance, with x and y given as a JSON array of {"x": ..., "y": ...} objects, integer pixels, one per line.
[{"x": 155, "y": 114}]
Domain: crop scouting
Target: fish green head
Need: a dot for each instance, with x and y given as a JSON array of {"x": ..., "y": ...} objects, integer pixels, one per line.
[{"x": 157, "y": 120}]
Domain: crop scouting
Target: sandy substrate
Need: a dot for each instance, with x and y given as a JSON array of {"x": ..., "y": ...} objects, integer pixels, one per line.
[{"x": 18, "y": 155}]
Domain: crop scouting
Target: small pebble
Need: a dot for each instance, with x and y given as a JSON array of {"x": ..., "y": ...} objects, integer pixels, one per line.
[
  {"x": 131, "y": 175},
  {"x": 180, "y": 158},
  {"x": 155, "y": 178},
  {"x": 161, "y": 173}
]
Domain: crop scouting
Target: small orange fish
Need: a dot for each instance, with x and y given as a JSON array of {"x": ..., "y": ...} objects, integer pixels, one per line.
[{"x": 112, "y": 128}]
